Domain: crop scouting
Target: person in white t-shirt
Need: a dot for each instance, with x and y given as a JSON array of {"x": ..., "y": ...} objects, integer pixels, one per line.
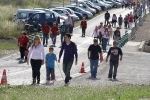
[
  {"x": 96, "y": 33},
  {"x": 105, "y": 39},
  {"x": 102, "y": 29}
]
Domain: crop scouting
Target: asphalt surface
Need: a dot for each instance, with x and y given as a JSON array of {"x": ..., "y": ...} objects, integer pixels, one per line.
[{"x": 133, "y": 68}]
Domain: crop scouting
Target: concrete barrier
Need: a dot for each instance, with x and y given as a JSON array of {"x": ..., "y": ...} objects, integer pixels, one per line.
[{"x": 142, "y": 45}]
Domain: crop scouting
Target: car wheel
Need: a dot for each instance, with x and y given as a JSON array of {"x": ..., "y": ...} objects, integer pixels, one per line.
[
  {"x": 115, "y": 6},
  {"x": 85, "y": 16}
]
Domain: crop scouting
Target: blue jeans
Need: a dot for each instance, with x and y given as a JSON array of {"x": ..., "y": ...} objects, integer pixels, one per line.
[
  {"x": 70, "y": 29},
  {"x": 53, "y": 37},
  {"x": 106, "y": 21},
  {"x": 67, "y": 64},
  {"x": 93, "y": 67},
  {"x": 45, "y": 38},
  {"x": 105, "y": 40},
  {"x": 49, "y": 71},
  {"x": 113, "y": 64},
  {"x": 62, "y": 38}
]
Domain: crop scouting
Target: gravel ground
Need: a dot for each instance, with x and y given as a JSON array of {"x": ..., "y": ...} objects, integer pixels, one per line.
[{"x": 143, "y": 32}]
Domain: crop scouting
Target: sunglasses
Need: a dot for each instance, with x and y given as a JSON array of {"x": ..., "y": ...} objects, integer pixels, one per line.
[{"x": 95, "y": 41}]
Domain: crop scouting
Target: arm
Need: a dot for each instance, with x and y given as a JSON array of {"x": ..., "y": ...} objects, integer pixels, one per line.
[
  {"x": 121, "y": 54},
  {"x": 109, "y": 52},
  {"x": 43, "y": 54},
  {"x": 29, "y": 54},
  {"x": 60, "y": 53},
  {"x": 101, "y": 56},
  {"x": 88, "y": 53},
  {"x": 76, "y": 53}
]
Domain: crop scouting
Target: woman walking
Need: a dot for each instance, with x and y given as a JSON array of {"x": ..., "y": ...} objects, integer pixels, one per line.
[
  {"x": 114, "y": 20},
  {"x": 37, "y": 55},
  {"x": 120, "y": 20}
]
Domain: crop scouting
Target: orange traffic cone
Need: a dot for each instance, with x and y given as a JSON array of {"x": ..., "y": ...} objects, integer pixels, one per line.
[
  {"x": 82, "y": 68},
  {"x": 54, "y": 78},
  {"x": 4, "y": 77}
]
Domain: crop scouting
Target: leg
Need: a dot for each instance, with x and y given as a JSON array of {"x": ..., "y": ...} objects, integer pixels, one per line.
[
  {"x": 52, "y": 37},
  {"x": 91, "y": 67},
  {"x": 33, "y": 65},
  {"x": 95, "y": 68},
  {"x": 44, "y": 37},
  {"x": 54, "y": 40},
  {"x": 103, "y": 42},
  {"x": 115, "y": 69},
  {"x": 82, "y": 31},
  {"x": 47, "y": 73},
  {"x": 38, "y": 67},
  {"x": 22, "y": 51},
  {"x": 61, "y": 38},
  {"x": 52, "y": 74},
  {"x": 68, "y": 68},
  {"x": 71, "y": 30},
  {"x": 110, "y": 70}
]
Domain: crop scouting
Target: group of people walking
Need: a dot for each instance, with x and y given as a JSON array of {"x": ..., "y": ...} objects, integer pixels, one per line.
[{"x": 102, "y": 33}]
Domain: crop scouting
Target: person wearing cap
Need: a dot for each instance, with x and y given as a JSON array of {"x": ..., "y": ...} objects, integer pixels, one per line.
[
  {"x": 70, "y": 49},
  {"x": 45, "y": 30},
  {"x": 83, "y": 25},
  {"x": 63, "y": 32},
  {"x": 114, "y": 53},
  {"x": 117, "y": 35},
  {"x": 54, "y": 31},
  {"x": 94, "y": 55},
  {"x": 70, "y": 24},
  {"x": 23, "y": 43}
]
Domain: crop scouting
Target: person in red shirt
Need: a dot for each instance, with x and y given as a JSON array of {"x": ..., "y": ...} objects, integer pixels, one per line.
[
  {"x": 54, "y": 30},
  {"x": 130, "y": 20},
  {"x": 23, "y": 43},
  {"x": 45, "y": 30},
  {"x": 83, "y": 25}
]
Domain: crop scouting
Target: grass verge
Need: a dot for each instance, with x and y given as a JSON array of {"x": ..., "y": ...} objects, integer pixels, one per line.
[{"x": 119, "y": 92}]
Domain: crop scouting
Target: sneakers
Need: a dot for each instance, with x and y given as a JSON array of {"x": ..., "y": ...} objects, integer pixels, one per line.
[
  {"x": 66, "y": 84},
  {"x": 47, "y": 82}
]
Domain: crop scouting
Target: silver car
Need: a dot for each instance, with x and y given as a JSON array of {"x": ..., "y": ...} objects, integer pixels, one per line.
[{"x": 64, "y": 12}]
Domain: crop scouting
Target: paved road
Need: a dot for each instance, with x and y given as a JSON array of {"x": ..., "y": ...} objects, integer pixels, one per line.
[{"x": 18, "y": 74}]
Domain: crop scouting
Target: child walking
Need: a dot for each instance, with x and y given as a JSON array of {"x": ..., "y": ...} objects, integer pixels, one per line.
[{"x": 50, "y": 65}]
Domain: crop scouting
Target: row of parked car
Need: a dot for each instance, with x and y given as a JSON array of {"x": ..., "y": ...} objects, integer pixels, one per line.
[{"x": 78, "y": 10}]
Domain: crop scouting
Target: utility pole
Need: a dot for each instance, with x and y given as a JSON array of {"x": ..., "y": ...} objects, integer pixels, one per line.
[{"x": 63, "y": 3}]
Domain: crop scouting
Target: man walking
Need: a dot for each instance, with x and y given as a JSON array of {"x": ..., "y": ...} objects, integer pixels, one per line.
[
  {"x": 94, "y": 51},
  {"x": 70, "y": 49},
  {"x": 107, "y": 16},
  {"x": 45, "y": 30},
  {"x": 114, "y": 53},
  {"x": 70, "y": 24},
  {"x": 54, "y": 33}
]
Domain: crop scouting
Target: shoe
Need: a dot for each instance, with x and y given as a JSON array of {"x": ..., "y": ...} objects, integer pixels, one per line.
[
  {"x": 52, "y": 82},
  {"x": 66, "y": 84},
  {"x": 38, "y": 81},
  {"x": 114, "y": 78},
  {"x": 94, "y": 76},
  {"x": 47, "y": 82},
  {"x": 34, "y": 82},
  {"x": 70, "y": 78}
]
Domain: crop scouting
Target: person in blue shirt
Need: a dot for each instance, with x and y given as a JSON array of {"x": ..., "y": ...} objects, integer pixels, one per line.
[
  {"x": 63, "y": 31},
  {"x": 50, "y": 65}
]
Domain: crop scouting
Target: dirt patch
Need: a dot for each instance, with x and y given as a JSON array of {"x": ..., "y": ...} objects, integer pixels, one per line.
[{"x": 4, "y": 52}]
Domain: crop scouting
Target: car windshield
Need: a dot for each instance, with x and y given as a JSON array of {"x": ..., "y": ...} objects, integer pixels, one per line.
[
  {"x": 88, "y": 4},
  {"x": 91, "y": 3}
]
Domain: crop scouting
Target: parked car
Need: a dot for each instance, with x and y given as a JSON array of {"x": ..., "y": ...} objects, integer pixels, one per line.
[
  {"x": 86, "y": 14},
  {"x": 90, "y": 4},
  {"x": 22, "y": 14},
  {"x": 41, "y": 18},
  {"x": 107, "y": 3},
  {"x": 84, "y": 6},
  {"x": 115, "y": 4},
  {"x": 64, "y": 12},
  {"x": 100, "y": 4},
  {"x": 71, "y": 12}
]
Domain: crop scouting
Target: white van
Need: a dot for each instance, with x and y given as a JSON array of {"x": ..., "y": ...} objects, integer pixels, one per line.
[
  {"x": 84, "y": 6},
  {"x": 23, "y": 14}
]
